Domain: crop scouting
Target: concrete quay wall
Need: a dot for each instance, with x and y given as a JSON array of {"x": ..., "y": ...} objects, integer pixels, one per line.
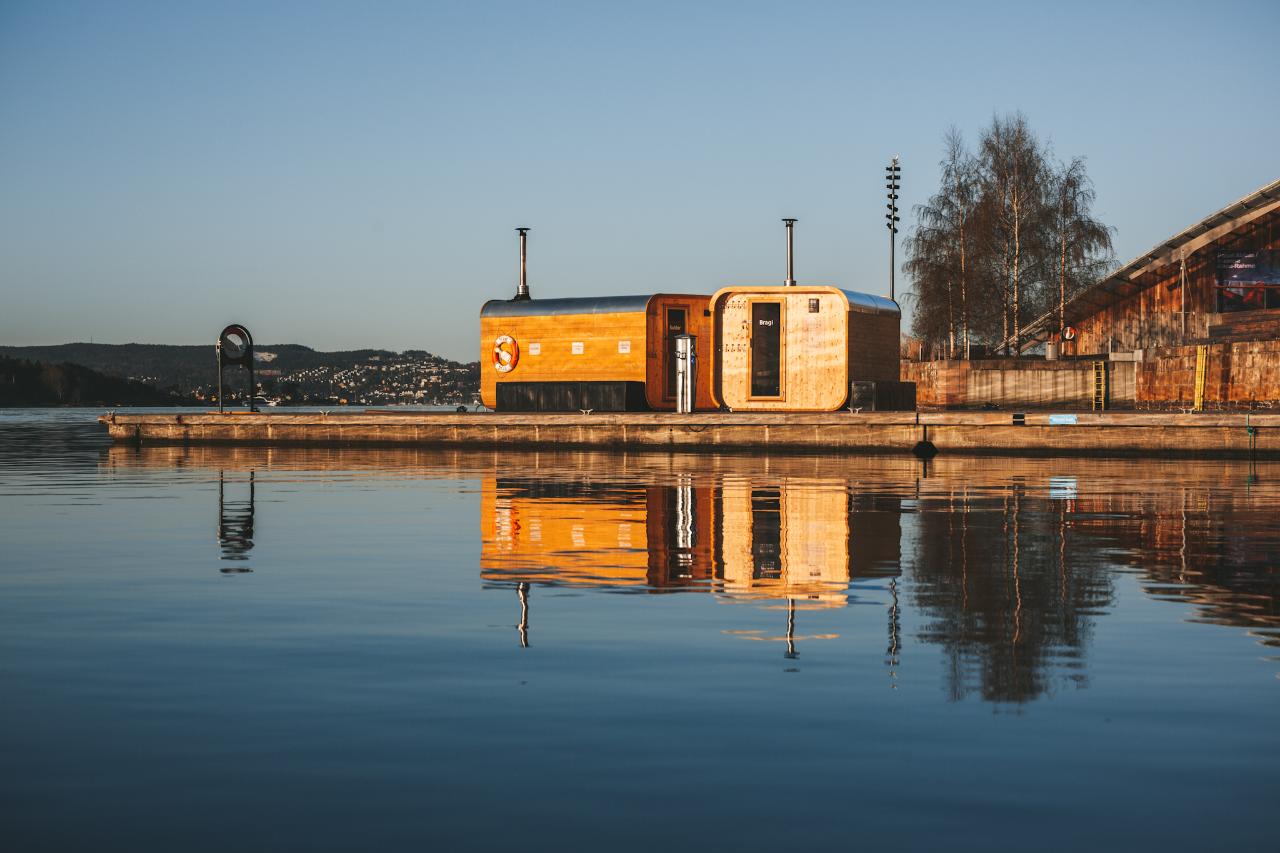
[{"x": 1106, "y": 433}]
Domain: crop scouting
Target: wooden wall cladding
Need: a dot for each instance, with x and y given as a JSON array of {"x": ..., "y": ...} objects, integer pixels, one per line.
[
  {"x": 659, "y": 349},
  {"x": 566, "y": 347},
  {"x": 814, "y": 356},
  {"x": 631, "y": 346}
]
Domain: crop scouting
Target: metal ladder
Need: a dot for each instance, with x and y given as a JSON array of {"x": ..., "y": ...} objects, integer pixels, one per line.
[
  {"x": 1202, "y": 369},
  {"x": 1099, "y": 386}
]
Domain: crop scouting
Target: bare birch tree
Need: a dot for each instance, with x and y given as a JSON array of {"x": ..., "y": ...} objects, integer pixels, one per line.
[
  {"x": 1015, "y": 175},
  {"x": 938, "y": 249},
  {"x": 1083, "y": 243},
  {"x": 1009, "y": 234}
]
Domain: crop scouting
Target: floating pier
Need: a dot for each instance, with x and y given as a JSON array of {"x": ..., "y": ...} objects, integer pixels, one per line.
[{"x": 1031, "y": 433}]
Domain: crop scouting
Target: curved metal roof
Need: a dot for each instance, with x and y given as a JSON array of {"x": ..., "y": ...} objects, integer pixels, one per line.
[
  {"x": 866, "y": 303},
  {"x": 570, "y": 305},
  {"x": 859, "y": 303}
]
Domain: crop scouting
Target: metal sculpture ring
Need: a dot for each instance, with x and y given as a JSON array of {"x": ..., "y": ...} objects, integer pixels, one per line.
[{"x": 506, "y": 354}]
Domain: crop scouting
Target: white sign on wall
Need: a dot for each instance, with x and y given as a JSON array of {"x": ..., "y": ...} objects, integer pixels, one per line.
[
  {"x": 624, "y": 347},
  {"x": 535, "y": 349},
  {"x": 576, "y": 347}
]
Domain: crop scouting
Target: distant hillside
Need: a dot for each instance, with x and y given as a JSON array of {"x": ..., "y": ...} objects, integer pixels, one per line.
[
  {"x": 183, "y": 367},
  {"x": 291, "y": 372},
  {"x": 31, "y": 383}
]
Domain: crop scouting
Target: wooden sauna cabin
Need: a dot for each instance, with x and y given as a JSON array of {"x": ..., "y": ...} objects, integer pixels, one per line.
[
  {"x": 605, "y": 354},
  {"x": 806, "y": 348}
]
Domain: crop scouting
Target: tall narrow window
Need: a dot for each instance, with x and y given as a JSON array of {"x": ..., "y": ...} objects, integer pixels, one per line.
[
  {"x": 676, "y": 325},
  {"x": 766, "y": 533},
  {"x": 766, "y": 349}
]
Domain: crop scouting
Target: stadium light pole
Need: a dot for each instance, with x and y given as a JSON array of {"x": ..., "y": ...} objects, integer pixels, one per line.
[{"x": 892, "y": 174}]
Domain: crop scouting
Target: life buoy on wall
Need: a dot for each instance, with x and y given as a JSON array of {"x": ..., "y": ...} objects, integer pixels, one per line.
[
  {"x": 1069, "y": 333},
  {"x": 506, "y": 354}
]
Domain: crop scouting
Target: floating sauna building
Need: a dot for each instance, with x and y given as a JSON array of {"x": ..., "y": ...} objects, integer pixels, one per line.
[
  {"x": 786, "y": 348},
  {"x": 804, "y": 348},
  {"x": 607, "y": 354}
]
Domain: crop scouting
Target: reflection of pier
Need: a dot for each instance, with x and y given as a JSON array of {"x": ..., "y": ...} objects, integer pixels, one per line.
[{"x": 235, "y": 525}]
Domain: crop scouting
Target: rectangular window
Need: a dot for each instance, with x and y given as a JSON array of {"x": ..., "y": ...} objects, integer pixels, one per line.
[{"x": 766, "y": 349}]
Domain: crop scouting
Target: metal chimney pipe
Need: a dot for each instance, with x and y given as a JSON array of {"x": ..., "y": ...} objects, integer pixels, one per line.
[
  {"x": 791, "y": 269},
  {"x": 522, "y": 290}
]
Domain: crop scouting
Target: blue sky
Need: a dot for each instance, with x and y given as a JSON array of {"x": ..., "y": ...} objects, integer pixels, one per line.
[{"x": 349, "y": 174}]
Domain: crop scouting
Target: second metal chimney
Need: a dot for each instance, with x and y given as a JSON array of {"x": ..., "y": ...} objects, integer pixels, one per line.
[
  {"x": 522, "y": 290},
  {"x": 791, "y": 269}
]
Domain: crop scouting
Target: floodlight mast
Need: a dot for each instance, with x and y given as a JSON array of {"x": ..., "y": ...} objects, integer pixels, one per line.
[{"x": 892, "y": 176}]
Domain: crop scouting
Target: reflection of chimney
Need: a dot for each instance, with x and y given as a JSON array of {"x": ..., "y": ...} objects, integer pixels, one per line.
[
  {"x": 522, "y": 290},
  {"x": 791, "y": 269},
  {"x": 522, "y": 589},
  {"x": 791, "y": 653}
]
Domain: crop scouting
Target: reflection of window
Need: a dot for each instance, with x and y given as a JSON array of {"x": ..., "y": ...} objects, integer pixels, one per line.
[{"x": 766, "y": 533}]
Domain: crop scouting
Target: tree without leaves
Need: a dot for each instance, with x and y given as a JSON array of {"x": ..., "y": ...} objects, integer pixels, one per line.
[
  {"x": 939, "y": 251},
  {"x": 1007, "y": 233},
  {"x": 1083, "y": 243}
]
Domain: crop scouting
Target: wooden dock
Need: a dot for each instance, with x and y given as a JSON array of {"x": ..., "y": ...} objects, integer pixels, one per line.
[{"x": 1033, "y": 433}]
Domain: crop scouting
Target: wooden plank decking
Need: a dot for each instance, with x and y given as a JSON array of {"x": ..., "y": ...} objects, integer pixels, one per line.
[{"x": 1104, "y": 433}]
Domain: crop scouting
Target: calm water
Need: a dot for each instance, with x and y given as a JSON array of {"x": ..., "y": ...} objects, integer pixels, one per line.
[{"x": 252, "y": 649}]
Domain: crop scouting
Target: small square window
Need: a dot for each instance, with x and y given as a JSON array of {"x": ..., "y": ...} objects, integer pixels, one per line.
[{"x": 813, "y": 306}]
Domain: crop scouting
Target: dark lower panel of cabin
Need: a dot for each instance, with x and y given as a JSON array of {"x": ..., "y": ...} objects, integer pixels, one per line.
[
  {"x": 882, "y": 396},
  {"x": 571, "y": 397}
]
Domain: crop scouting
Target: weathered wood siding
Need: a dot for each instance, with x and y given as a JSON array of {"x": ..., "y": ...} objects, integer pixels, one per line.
[
  {"x": 1016, "y": 383},
  {"x": 1237, "y": 374},
  {"x": 1152, "y": 316}
]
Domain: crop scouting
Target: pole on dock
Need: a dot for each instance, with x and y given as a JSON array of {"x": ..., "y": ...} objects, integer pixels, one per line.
[
  {"x": 791, "y": 269},
  {"x": 893, "y": 172},
  {"x": 522, "y": 290},
  {"x": 217, "y": 351},
  {"x": 686, "y": 372}
]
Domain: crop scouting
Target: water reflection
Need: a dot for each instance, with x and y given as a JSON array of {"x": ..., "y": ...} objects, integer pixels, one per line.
[
  {"x": 235, "y": 524},
  {"x": 761, "y": 537},
  {"x": 1003, "y": 568}
]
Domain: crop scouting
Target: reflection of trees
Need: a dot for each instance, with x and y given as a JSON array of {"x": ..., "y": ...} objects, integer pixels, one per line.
[
  {"x": 1003, "y": 597},
  {"x": 1216, "y": 549}
]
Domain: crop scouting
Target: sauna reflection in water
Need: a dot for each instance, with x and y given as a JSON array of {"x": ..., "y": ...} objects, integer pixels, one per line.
[{"x": 747, "y": 538}]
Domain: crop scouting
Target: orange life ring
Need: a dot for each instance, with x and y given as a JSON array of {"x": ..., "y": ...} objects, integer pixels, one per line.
[
  {"x": 1068, "y": 333},
  {"x": 506, "y": 354}
]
